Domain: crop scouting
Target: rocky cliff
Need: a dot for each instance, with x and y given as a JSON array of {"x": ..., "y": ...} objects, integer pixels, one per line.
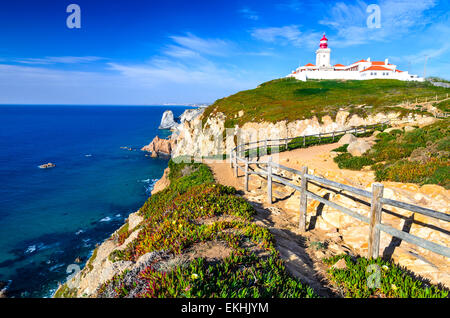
[{"x": 209, "y": 136}]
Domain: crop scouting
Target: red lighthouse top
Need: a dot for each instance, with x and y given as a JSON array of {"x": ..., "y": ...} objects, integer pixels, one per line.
[{"x": 323, "y": 42}]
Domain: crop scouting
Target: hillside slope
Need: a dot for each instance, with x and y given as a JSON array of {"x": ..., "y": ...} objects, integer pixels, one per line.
[{"x": 290, "y": 99}]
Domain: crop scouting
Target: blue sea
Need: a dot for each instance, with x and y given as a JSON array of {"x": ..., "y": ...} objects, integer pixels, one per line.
[{"x": 50, "y": 217}]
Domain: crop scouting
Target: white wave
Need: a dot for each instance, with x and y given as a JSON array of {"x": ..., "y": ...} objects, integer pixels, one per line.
[
  {"x": 51, "y": 269},
  {"x": 30, "y": 249},
  {"x": 79, "y": 232},
  {"x": 105, "y": 219}
]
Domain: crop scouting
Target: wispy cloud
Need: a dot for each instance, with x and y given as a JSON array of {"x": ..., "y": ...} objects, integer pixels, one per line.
[
  {"x": 249, "y": 14},
  {"x": 190, "y": 45},
  {"x": 59, "y": 60},
  {"x": 398, "y": 17},
  {"x": 286, "y": 35}
]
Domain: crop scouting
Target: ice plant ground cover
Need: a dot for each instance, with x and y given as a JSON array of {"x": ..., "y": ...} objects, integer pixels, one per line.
[
  {"x": 191, "y": 211},
  {"x": 383, "y": 279},
  {"x": 419, "y": 156}
]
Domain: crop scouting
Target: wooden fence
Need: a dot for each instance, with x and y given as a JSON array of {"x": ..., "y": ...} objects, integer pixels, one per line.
[{"x": 377, "y": 201}]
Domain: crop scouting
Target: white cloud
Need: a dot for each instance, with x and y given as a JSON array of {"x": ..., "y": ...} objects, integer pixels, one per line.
[
  {"x": 249, "y": 14},
  {"x": 398, "y": 17},
  {"x": 59, "y": 60},
  {"x": 191, "y": 45},
  {"x": 184, "y": 72},
  {"x": 287, "y": 35}
]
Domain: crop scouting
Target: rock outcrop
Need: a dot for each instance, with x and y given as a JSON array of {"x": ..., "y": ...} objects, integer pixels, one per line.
[
  {"x": 209, "y": 137},
  {"x": 190, "y": 114},
  {"x": 159, "y": 147},
  {"x": 347, "y": 139},
  {"x": 358, "y": 147},
  {"x": 167, "y": 121},
  {"x": 162, "y": 183}
]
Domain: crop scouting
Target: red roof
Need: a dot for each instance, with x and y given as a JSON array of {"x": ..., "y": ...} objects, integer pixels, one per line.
[
  {"x": 324, "y": 38},
  {"x": 309, "y": 64},
  {"x": 377, "y": 63},
  {"x": 360, "y": 61},
  {"x": 340, "y": 65},
  {"x": 399, "y": 71},
  {"x": 376, "y": 68}
]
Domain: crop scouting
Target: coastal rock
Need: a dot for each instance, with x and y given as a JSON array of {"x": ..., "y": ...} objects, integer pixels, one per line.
[
  {"x": 134, "y": 219},
  {"x": 47, "y": 165},
  {"x": 358, "y": 147},
  {"x": 190, "y": 114},
  {"x": 347, "y": 139},
  {"x": 162, "y": 183},
  {"x": 167, "y": 120},
  {"x": 159, "y": 146}
]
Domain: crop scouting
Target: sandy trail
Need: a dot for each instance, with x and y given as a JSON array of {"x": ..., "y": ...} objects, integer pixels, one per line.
[{"x": 302, "y": 261}]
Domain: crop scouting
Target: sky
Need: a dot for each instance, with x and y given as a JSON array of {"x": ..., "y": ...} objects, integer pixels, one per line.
[{"x": 146, "y": 52}]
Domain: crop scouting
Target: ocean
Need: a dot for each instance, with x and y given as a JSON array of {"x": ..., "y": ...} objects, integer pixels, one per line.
[{"x": 51, "y": 217}]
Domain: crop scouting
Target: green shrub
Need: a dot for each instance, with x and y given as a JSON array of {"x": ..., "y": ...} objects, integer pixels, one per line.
[
  {"x": 342, "y": 148},
  {"x": 395, "y": 281},
  {"x": 347, "y": 161}
]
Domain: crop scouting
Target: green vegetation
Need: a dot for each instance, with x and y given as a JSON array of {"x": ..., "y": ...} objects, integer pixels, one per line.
[
  {"x": 65, "y": 292},
  {"x": 290, "y": 99},
  {"x": 394, "y": 281},
  {"x": 192, "y": 210},
  {"x": 444, "y": 105},
  {"x": 419, "y": 156},
  {"x": 347, "y": 161},
  {"x": 300, "y": 142},
  {"x": 342, "y": 148}
]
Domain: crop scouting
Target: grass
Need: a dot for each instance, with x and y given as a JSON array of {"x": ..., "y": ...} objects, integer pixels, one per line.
[
  {"x": 358, "y": 279},
  {"x": 444, "y": 105},
  {"x": 290, "y": 99},
  {"x": 419, "y": 156},
  {"x": 173, "y": 223}
]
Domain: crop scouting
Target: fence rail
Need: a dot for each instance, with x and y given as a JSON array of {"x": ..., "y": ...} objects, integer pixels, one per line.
[{"x": 377, "y": 201}]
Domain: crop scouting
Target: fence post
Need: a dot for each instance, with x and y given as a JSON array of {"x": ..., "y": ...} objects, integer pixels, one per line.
[
  {"x": 286, "y": 143},
  {"x": 375, "y": 218},
  {"x": 231, "y": 158},
  {"x": 333, "y": 135},
  {"x": 320, "y": 137},
  {"x": 303, "y": 200},
  {"x": 246, "y": 175},
  {"x": 304, "y": 141},
  {"x": 235, "y": 163},
  {"x": 269, "y": 180}
]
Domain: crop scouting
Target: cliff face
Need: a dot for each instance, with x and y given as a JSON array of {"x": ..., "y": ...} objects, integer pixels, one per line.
[{"x": 192, "y": 138}]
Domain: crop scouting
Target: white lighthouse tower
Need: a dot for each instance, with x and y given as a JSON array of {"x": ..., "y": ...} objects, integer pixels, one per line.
[{"x": 323, "y": 55}]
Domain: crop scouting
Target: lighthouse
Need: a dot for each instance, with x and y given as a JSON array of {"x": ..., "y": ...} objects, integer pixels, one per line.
[{"x": 323, "y": 55}]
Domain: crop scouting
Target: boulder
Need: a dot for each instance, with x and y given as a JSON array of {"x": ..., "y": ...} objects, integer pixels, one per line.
[
  {"x": 347, "y": 139},
  {"x": 409, "y": 128},
  {"x": 159, "y": 146},
  {"x": 167, "y": 120},
  {"x": 358, "y": 147}
]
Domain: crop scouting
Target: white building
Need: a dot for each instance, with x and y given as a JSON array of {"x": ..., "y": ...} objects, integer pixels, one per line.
[{"x": 361, "y": 70}]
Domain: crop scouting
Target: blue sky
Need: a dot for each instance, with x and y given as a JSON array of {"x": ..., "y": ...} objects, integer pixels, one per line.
[{"x": 153, "y": 52}]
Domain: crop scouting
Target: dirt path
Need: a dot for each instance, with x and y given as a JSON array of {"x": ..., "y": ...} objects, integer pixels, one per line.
[
  {"x": 302, "y": 259},
  {"x": 298, "y": 248}
]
